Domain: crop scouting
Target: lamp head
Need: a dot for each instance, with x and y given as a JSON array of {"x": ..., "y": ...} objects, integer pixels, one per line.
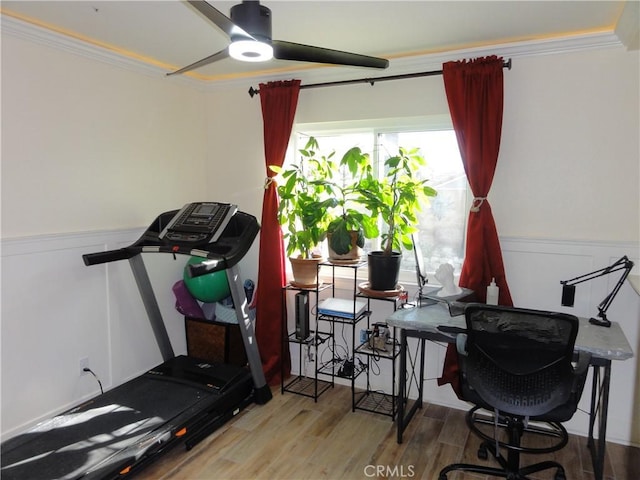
[{"x": 568, "y": 295}]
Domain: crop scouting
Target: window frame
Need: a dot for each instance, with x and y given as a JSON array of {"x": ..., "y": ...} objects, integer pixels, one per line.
[{"x": 376, "y": 127}]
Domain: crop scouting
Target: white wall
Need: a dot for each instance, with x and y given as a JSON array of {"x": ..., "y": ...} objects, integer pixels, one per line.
[
  {"x": 235, "y": 165},
  {"x": 569, "y": 161},
  {"x": 87, "y": 147}
]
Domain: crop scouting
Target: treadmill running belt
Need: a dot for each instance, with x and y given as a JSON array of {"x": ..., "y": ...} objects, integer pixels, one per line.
[{"x": 114, "y": 430}]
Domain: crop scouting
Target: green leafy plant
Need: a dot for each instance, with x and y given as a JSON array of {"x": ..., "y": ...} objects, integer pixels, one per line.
[
  {"x": 320, "y": 196},
  {"x": 347, "y": 214},
  {"x": 397, "y": 198},
  {"x": 303, "y": 201}
]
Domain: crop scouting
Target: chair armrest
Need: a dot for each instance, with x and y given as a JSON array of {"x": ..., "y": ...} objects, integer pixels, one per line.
[
  {"x": 584, "y": 358},
  {"x": 461, "y": 344},
  {"x": 580, "y": 372}
]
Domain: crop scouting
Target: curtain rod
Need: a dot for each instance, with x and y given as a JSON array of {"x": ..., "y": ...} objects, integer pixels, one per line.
[{"x": 372, "y": 81}]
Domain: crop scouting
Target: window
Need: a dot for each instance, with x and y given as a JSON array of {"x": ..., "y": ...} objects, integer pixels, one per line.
[{"x": 442, "y": 225}]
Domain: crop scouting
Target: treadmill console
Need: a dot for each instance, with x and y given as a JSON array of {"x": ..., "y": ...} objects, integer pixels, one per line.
[{"x": 198, "y": 223}]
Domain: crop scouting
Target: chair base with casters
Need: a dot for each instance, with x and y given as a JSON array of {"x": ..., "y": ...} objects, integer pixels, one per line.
[{"x": 509, "y": 465}]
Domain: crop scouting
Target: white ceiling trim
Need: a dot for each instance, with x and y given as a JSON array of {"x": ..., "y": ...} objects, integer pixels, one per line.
[
  {"x": 398, "y": 66},
  {"x": 26, "y": 31}
]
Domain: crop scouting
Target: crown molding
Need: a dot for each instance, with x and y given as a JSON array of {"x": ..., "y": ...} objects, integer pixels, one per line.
[
  {"x": 32, "y": 33},
  {"x": 398, "y": 66}
]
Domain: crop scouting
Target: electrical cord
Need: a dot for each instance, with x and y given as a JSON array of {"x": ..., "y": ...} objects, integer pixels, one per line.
[
  {"x": 339, "y": 351},
  {"x": 87, "y": 369},
  {"x": 344, "y": 338},
  {"x": 375, "y": 366},
  {"x": 600, "y": 389}
]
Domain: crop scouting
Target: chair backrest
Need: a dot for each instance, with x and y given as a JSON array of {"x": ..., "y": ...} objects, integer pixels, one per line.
[{"x": 519, "y": 360}]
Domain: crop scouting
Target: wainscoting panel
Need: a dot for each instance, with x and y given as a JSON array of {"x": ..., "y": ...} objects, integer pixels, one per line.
[
  {"x": 56, "y": 311},
  {"x": 534, "y": 270}
]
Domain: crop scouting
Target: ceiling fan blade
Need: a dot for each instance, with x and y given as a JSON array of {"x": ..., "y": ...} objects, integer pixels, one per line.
[
  {"x": 307, "y": 53},
  {"x": 223, "y": 22},
  {"x": 205, "y": 61}
]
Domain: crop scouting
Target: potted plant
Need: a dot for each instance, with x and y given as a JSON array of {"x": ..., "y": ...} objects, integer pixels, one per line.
[
  {"x": 349, "y": 223},
  {"x": 396, "y": 199},
  {"x": 302, "y": 212}
]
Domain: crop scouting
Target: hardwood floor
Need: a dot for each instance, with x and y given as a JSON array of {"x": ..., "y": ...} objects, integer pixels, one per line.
[{"x": 291, "y": 437}]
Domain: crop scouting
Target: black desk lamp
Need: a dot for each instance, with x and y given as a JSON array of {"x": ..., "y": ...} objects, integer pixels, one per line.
[
  {"x": 421, "y": 275},
  {"x": 569, "y": 289}
]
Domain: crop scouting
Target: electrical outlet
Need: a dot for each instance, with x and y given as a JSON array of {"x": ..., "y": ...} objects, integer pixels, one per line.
[{"x": 84, "y": 363}]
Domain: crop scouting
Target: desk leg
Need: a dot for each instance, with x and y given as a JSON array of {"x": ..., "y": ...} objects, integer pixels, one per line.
[
  {"x": 423, "y": 342},
  {"x": 403, "y": 394},
  {"x": 599, "y": 411},
  {"x": 402, "y": 384}
]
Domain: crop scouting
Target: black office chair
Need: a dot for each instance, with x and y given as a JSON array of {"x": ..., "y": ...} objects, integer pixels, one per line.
[{"x": 517, "y": 369}]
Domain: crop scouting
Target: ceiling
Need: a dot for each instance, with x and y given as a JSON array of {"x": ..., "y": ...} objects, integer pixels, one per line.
[{"x": 170, "y": 34}]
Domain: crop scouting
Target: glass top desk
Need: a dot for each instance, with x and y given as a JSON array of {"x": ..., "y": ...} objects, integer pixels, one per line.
[{"x": 434, "y": 323}]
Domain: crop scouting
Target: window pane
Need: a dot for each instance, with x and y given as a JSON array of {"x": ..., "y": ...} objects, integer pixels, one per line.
[
  {"x": 340, "y": 143},
  {"x": 443, "y": 219},
  {"x": 442, "y": 225}
]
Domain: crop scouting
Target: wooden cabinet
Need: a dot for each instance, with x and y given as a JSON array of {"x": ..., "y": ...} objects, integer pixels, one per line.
[{"x": 215, "y": 341}]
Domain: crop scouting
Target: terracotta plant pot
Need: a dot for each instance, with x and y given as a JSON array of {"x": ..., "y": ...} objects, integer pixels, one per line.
[
  {"x": 305, "y": 271},
  {"x": 352, "y": 255}
]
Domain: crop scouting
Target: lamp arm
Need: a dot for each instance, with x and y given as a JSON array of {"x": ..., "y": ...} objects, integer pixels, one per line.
[
  {"x": 622, "y": 263},
  {"x": 604, "y": 305}
]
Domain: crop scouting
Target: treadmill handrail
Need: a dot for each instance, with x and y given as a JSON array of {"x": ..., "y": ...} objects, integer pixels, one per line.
[
  {"x": 108, "y": 256},
  {"x": 223, "y": 254}
]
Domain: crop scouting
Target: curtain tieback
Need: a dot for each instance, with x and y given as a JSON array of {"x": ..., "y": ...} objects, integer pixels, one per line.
[
  {"x": 477, "y": 203},
  {"x": 267, "y": 182}
]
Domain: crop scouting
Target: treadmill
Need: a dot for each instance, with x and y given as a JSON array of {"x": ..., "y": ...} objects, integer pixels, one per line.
[{"x": 182, "y": 400}]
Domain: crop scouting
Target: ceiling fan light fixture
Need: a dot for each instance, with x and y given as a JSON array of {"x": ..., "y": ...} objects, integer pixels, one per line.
[
  {"x": 250, "y": 51},
  {"x": 249, "y": 31}
]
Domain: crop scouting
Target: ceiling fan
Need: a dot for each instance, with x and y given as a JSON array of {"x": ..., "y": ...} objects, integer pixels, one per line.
[{"x": 249, "y": 30}]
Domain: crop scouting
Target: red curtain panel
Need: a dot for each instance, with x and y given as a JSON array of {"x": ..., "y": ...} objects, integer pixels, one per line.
[
  {"x": 475, "y": 93},
  {"x": 279, "y": 101}
]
